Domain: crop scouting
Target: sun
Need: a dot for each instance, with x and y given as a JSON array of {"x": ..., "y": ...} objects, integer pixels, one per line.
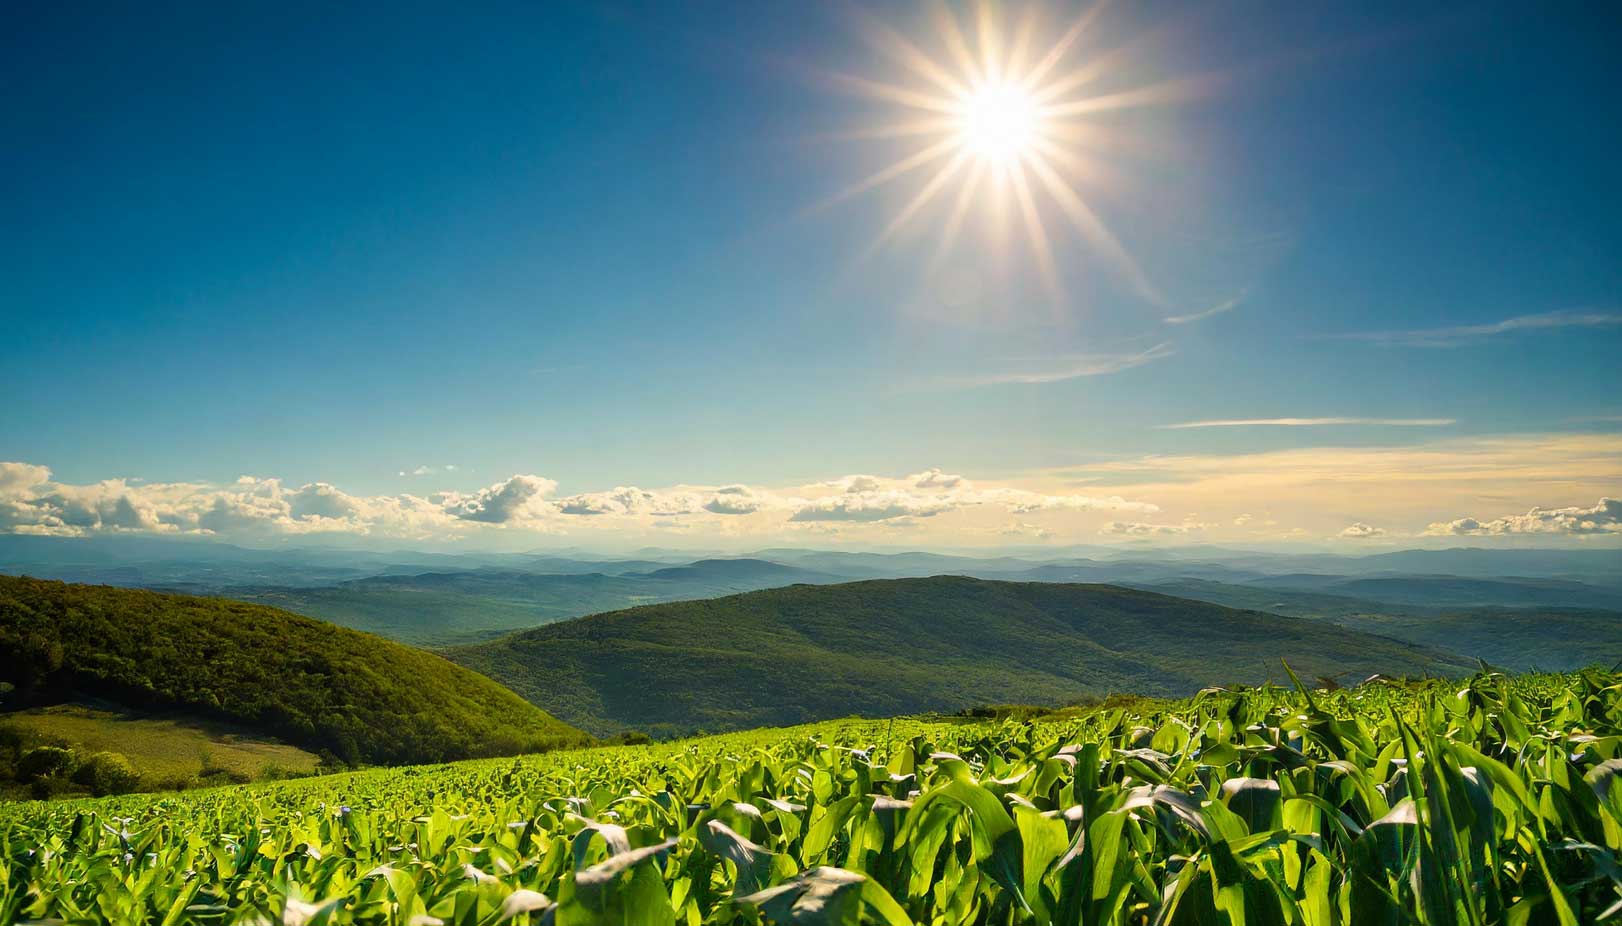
[
  {"x": 1011, "y": 123},
  {"x": 999, "y": 122}
]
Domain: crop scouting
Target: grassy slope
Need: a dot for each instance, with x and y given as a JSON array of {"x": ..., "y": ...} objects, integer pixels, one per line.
[
  {"x": 165, "y": 748},
  {"x": 321, "y": 687},
  {"x": 886, "y": 647}
]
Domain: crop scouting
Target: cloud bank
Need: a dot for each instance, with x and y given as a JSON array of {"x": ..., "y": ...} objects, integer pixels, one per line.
[
  {"x": 32, "y": 503},
  {"x": 1605, "y": 517}
]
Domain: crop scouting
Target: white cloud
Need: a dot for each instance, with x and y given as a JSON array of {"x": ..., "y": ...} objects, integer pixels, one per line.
[
  {"x": 321, "y": 500},
  {"x": 872, "y": 506},
  {"x": 630, "y": 500},
  {"x": 1309, "y": 423},
  {"x": 520, "y": 498},
  {"x": 935, "y": 479},
  {"x": 1463, "y": 334},
  {"x": 1020, "y": 501},
  {"x": 1605, "y": 517},
  {"x": 734, "y": 499},
  {"x": 1361, "y": 531},
  {"x": 1218, "y": 309},
  {"x": 1075, "y": 366},
  {"x": 259, "y": 507},
  {"x": 1023, "y": 529},
  {"x": 1141, "y": 529},
  {"x": 19, "y": 477}
]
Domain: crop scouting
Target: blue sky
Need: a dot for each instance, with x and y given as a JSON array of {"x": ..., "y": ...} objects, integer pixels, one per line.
[{"x": 593, "y": 243}]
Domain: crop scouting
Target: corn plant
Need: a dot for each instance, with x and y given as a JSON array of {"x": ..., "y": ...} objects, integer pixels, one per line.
[{"x": 1491, "y": 800}]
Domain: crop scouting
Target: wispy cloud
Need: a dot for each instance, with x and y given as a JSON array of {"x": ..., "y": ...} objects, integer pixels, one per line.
[
  {"x": 426, "y": 470},
  {"x": 1310, "y": 423},
  {"x": 1464, "y": 334},
  {"x": 1076, "y": 366},
  {"x": 1217, "y": 309}
]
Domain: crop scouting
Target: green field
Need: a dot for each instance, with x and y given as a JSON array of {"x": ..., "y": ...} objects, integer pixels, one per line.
[
  {"x": 1492, "y": 800},
  {"x": 169, "y": 751}
]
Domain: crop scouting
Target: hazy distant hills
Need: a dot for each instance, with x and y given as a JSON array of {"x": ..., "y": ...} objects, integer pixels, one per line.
[
  {"x": 443, "y": 608},
  {"x": 1519, "y": 638},
  {"x": 439, "y": 599},
  {"x": 1454, "y": 591},
  {"x": 885, "y": 647}
]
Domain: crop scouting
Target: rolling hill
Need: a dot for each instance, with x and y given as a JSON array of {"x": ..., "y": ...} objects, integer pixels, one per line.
[
  {"x": 885, "y": 647},
  {"x": 324, "y": 688}
]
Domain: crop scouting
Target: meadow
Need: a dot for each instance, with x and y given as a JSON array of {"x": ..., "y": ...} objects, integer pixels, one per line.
[
  {"x": 1491, "y": 800},
  {"x": 169, "y": 752}
]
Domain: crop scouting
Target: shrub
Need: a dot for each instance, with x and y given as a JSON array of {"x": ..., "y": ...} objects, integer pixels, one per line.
[
  {"x": 46, "y": 762},
  {"x": 108, "y": 773}
]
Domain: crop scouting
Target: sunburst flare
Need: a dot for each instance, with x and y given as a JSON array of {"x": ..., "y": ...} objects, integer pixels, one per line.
[{"x": 1004, "y": 128}]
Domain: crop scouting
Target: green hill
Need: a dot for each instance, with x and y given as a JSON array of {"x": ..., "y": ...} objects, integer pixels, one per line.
[
  {"x": 886, "y": 647},
  {"x": 325, "y": 688}
]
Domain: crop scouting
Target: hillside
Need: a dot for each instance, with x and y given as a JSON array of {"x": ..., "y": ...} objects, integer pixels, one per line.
[
  {"x": 321, "y": 687},
  {"x": 885, "y": 647}
]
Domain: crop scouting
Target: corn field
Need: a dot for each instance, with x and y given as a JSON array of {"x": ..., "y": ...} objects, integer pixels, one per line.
[{"x": 1492, "y": 800}]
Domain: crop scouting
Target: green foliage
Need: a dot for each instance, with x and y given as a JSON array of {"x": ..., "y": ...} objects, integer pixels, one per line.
[
  {"x": 46, "y": 762},
  {"x": 905, "y": 646},
  {"x": 1494, "y": 800},
  {"x": 169, "y": 751},
  {"x": 354, "y": 696},
  {"x": 107, "y": 773}
]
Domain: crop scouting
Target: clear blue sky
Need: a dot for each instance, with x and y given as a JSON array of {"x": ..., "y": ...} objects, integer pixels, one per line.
[{"x": 329, "y": 243}]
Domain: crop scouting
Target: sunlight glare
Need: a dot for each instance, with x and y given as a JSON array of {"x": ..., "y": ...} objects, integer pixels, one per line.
[
  {"x": 999, "y": 122},
  {"x": 1003, "y": 127}
]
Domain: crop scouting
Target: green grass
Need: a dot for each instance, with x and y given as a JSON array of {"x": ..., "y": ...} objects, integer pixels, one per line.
[
  {"x": 167, "y": 750},
  {"x": 323, "y": 688},
  {"x": 903, "y": 646},
  {"x": 1491, "y": 800}
]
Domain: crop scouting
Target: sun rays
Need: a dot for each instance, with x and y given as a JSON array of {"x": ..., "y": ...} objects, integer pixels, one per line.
[{"x": 995, "y": 125}]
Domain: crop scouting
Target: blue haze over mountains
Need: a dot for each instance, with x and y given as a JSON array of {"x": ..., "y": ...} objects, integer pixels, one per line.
[{"x": 443, "y": 599}]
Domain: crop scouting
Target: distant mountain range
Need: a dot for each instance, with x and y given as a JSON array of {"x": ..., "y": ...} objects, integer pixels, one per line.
[
  {"x": 443, "y": 608},
  {"x": 443, "y": 599},
  {"x": 886, "y": 647}
]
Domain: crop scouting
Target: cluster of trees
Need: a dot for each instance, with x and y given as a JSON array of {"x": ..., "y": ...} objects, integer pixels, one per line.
[
  {"x": 349, "y": 696},
  {"x": 48, "y": 770}
]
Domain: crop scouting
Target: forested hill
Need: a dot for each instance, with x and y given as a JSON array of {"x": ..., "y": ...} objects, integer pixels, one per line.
[
  {"x": 886, "y": 647},
  {"x": 319, "y": 686}
]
